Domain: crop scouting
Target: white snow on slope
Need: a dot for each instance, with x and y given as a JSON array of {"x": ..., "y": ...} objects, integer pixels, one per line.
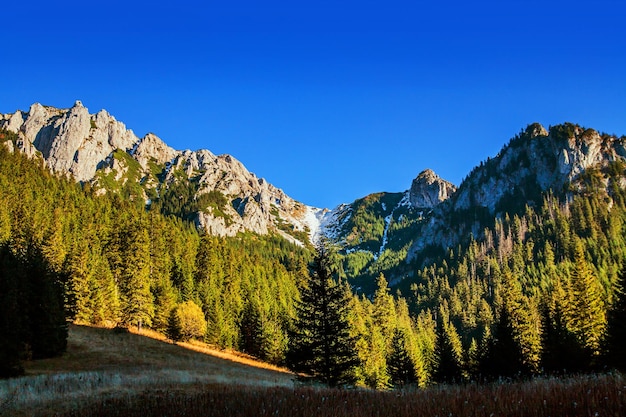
[
  {"x": 403, "y": 203},
  {"x": 314, "y": 218}
]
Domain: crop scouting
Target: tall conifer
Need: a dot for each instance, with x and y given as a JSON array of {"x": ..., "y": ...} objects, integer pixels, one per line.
[{"x": 320, "y": 343}]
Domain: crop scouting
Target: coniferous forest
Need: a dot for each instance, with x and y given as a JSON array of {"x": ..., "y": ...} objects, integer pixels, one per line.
[{"x": 541, "y": 292}]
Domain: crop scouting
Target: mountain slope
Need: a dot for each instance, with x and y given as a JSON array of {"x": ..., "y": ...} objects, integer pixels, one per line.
[
  {"x": 376, "y": 232},
  {"x": 103, "y": 363},
  {"x": 383, "y": 232},
  {"x": 215, "y": 191},
  {"x": 391, "y": 232},
  {"x": 535, "y": 162}
]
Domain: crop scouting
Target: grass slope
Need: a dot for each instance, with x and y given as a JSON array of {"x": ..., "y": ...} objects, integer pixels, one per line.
[
  {"x": 102, "y": 364},
  {"x": 111, "y": 374}
]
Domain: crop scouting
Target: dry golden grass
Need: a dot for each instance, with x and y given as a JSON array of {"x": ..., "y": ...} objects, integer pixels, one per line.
[
  {"x": 102, "y": 363},
  {"x": 229, "y": 355},
  {"x": 105, "y": 373},
  {"x": 582, "y": 396}
]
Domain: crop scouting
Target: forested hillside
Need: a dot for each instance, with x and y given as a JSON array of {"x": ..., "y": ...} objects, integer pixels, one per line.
[
  {"x": 537, "y": 290},
  {"x": 113, "y": 262},
  {"x": 120, "y": 264}
]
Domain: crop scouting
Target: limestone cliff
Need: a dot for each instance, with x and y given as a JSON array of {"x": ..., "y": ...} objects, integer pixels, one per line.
[
  {"x": 98, "y": 149},
  {"x": 428, "y": 190}
]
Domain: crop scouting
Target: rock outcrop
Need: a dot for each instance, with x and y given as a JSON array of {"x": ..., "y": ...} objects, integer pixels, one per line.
[
  {"x": 71, "y": 141},
  {"x": 428, "y": 190}
]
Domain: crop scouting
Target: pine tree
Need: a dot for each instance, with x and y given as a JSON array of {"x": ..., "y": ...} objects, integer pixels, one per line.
[
  {"x": 448, "y": 352},
  {"x": 615, "y": 344},
  {"x": 587, "y": 313},
  {"x": 401, "y": 366},
  {"x": 320, "y": 342},
  {"x": 174, "y": 326}
]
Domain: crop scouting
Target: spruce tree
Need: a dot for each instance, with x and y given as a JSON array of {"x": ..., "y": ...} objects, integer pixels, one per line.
[
  {"x": 561, "y": 353},
  {"x": 12, "y": 318},
  {"x": 45, "y": 305},
  {"x": 448, "y": 352},
  {"x": 615, "y": 344},
  {"x": 384, "y": 309},
  {"x": 250, "y": 329},
  {"x": 174, "y": 326},
  {"x": 399, "y": 362},
  {"x": 524, "y": 330},
  {"x": 587, "y": 313},
  {"x": 320, "y": 342},
  {"x": 501, "y": 356}
]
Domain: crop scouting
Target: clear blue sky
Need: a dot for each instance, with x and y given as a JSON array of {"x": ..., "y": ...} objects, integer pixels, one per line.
[{"x": 328, "y": 100}]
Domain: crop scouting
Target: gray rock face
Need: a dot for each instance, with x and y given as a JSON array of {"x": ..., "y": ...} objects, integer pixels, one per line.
[
  {"x": 72, "y": 141},
  {"x": 75, "y": 143},
  {"x": 152, "y": 149},
  {"x": 256, "y": 205},
  {"x": 428, "y": 190}
]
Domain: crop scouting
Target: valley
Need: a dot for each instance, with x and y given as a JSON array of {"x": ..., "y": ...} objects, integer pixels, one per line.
[{"x": 517, "y": 274}]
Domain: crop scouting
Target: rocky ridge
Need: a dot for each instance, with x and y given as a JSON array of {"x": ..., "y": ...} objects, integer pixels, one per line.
[
  {"x": 387, "y": 232},
  {"x": 82, "y": 145},
  {"x": 534, "y": 162},
  {"x": 99, "y": 150}
]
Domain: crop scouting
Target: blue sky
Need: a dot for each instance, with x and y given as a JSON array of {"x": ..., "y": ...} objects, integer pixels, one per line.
[{"x": 328, "y": 100}]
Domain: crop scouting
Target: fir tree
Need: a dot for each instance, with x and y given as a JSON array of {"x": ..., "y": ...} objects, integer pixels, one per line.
[
  {"x": 320, "y": 342},
  {"x": 174, "y": 326},
  {"x": 448, "y": 352},
  {"x": 587, "y": 314},
  {"x": 615, "y": 344},
  {"x": 401, "y": 366}
]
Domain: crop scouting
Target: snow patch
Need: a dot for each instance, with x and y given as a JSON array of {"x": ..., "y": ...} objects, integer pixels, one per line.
[
  {"x": 404, "y": 202},
  {"x": 317, "y": 220}
]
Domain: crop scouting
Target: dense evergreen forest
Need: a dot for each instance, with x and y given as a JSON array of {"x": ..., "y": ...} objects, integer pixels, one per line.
[
  {"x": 115, "y": 263},
  {"x": 540, "y": 293}
]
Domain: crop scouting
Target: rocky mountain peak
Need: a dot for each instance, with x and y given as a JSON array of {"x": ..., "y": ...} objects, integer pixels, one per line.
[
  {"x": 98, "y": 149},
  {"x": 152, "y": 148},
  {"x": 428, "y": 190},
  {"x": 71, "y": 141},
  {"x": 534, "y": 130}
]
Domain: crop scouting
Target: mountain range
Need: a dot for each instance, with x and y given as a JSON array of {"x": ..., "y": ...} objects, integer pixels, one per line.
[
  {"x": 381, "y": 232},
  {"x": 516, "y": 272}
]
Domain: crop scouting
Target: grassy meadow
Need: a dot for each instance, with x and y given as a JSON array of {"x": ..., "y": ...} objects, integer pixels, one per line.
[
  {"x": 103, "y": 364},
  {"x": 105, "y": 373}
]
